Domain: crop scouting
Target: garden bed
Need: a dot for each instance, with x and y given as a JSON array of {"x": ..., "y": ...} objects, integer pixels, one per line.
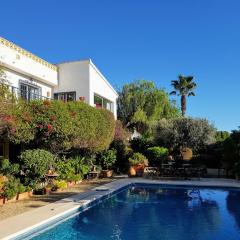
[{"x": 17, "y": 207}]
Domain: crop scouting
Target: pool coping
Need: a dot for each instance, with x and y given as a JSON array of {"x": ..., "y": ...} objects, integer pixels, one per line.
[{"x": 13, "y": 227}]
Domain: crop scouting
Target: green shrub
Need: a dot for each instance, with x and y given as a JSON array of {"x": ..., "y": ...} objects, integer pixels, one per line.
[
  {"x": 22, "y": 188},
  {"x": 59, "y": 184},
  {"x": 2, "y": 181},
  {"x": 108, "y": 158},
  {"x": 93, "y": 128},
  {"x": 72, "y": 169},
  {"x": 65, "y": 170},
  {"x": 141, "y": 144},
  {"x": 6, "y": 168},
  {"x": 122, "y": 155},
  {"x": 80, "y": 165},
  {"x": 138, "y": 158},
  {"x": 12, "y": 187},
  {"x": 60, "y": 126},
  {"x": 35, "y": 164},
  {"x": 157, "y": 155}
]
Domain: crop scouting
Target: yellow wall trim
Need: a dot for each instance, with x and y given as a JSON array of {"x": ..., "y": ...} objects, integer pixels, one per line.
[{"x": 26, "y": 53}]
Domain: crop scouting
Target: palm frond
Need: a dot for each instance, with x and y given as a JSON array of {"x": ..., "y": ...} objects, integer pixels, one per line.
[
  {"x": 173, "y": 93},
  {"x": 191, "y": 94},
  {"x": 175, "y": 83},
  {"x": 189, "y": 79}
]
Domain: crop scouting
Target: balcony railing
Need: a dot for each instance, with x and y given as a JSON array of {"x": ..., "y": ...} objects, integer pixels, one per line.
[{"x": 25, "y": 94}]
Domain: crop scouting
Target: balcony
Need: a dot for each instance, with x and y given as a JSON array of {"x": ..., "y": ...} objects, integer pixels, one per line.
[{"x": 25, "y": 92}]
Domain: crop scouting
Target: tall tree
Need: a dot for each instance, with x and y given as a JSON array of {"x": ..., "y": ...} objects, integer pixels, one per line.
[
  {"x": 184, "y": 87},
  {"x": 141, "y": 103}
]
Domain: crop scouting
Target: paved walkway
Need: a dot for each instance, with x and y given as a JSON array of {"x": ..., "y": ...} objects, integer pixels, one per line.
[{"x": 24, "y": 222}]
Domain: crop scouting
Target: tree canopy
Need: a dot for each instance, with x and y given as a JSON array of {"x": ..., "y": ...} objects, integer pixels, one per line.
[
  {"x": 140, "y": 103},
  {"x": 184, "y": 132}
]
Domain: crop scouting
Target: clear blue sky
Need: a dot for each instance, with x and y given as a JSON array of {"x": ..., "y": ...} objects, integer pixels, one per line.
[{"x": 141, "y": 39}]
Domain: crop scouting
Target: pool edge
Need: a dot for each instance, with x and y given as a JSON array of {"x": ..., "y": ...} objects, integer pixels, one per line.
[{"x": 75, "y": 202}]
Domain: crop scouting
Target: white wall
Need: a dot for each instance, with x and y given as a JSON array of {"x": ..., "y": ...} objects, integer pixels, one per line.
[
  {"x": 13, "y": 78},
  {"x": 24, "y": 62},
  {"x": 85, "y": 79},
  {"x": 100, "y": 86},
  {"x": 74, "y": 77}
]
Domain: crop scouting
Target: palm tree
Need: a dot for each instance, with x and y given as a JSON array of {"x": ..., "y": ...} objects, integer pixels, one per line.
[{"x": 184, "y": 87}]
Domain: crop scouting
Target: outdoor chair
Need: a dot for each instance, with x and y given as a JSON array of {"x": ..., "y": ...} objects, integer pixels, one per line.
[
  {"x": 151, "y": 172},
  {"x": 168, "y": 169}
]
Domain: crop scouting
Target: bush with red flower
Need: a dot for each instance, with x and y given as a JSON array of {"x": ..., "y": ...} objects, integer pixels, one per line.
[{"x": 60, "y": 126}]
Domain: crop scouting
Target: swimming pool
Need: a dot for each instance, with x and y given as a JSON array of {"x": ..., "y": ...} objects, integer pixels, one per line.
[{"x": 145, "y": 211}]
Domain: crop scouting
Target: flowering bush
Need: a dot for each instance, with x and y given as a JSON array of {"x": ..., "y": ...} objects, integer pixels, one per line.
[{"x": 59, "y": 126}]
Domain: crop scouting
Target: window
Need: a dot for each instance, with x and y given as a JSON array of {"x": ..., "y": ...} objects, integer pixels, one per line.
[
  {"x": 101, "y": 102},
  {"x": 30, "y": 91},
  {"x": 65, "y": 96}
]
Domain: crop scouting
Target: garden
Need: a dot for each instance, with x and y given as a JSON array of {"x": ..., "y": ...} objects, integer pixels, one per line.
[{"x": 59, "y": 143}]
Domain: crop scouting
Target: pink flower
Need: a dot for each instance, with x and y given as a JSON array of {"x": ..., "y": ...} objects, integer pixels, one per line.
[{"x": 49, "y": 127}]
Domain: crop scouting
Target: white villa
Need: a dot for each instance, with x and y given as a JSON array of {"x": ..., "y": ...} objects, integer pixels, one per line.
[{"x": 34, "y": 78}]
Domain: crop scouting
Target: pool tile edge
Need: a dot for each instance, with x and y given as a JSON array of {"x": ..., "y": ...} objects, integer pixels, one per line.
[{"x": 10, "y": 230}]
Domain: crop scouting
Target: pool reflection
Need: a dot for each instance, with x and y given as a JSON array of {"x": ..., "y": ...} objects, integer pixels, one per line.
[{"x": 156, "y": 213}]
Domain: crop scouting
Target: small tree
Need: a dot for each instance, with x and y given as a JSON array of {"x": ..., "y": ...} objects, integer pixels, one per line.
[
  {"x": 184, "y": 132},
  {"x": 35, "y": 165},
  {"x": 108, "y": 158}
]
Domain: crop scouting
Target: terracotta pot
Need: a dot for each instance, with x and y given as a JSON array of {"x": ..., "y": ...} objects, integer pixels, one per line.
[
  {"x": 106, "y": 173},
  {"x": 139, "y": 168},
  {"x": 2, "y": 200},
  {"x": 70, "y": 184},
  {"x": 132, "y": 172},
  {"x": 59, "y": 190},
  {"x": 48, "y": 191}
]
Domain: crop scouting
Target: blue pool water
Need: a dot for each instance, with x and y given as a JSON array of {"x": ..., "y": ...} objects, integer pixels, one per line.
[{"x": 147, "y": 212}]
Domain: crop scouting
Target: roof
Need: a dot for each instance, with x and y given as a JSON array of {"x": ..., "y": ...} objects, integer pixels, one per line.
[{"x": 26, "y": 53}]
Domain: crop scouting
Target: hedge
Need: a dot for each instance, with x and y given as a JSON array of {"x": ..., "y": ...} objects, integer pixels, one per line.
[{"x": 60, "y": 126}]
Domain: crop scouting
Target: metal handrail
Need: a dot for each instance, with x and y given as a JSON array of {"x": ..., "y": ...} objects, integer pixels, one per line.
[{"x": 20, "y": 93}]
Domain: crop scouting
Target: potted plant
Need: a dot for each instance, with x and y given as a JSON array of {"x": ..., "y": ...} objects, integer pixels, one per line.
[
  {"x": 10, "y": 188},
  {"x": 107, "y": 160},
  {"x": 137, "y": 164},
  {"x": 157, "y": 155},
  {"x": 48, "y": 188},
  {"x": 59, "y": 185}
]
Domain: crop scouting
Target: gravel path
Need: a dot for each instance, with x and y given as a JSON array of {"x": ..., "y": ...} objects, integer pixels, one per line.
[{"x": 14, "y": 208}]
